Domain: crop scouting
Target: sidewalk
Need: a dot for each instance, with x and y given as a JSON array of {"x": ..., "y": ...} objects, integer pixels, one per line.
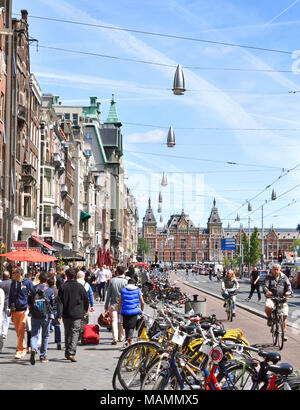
[{"x": 93, "y": 371}]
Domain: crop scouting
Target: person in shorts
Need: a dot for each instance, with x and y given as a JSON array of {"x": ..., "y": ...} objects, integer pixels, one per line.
[{"x": 278, "y": 285}]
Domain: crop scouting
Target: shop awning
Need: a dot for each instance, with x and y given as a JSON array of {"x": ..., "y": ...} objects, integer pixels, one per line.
[
  {"x": 84, "y": 215},
  {"x": 45, "y": 244}
]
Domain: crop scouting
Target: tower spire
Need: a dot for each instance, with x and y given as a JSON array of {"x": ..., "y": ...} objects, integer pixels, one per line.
[{"x": 113, "y": 115}]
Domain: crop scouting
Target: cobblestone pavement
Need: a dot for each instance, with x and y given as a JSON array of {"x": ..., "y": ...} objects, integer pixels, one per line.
[{"x": 93, "y": 371}]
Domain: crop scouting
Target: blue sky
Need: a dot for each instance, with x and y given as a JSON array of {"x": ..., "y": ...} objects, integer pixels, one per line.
[{"x": 226, "y": 100}]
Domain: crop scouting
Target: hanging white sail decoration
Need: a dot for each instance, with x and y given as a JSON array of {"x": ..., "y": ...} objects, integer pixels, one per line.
[
  {"x": 160, "y": 199},
  {"x": 161, "y": 218},
  {"x": 159, "y": 208}
]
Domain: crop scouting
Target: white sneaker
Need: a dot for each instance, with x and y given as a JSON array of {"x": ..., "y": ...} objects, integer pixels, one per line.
[{"x": 18, "y": 355}]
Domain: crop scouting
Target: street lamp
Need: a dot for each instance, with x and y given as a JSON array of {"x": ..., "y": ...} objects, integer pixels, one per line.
[
  {"x": 171, "y": 138},
  {"x": 179, "y": 83},
  {"x": 164, "y": 181}
]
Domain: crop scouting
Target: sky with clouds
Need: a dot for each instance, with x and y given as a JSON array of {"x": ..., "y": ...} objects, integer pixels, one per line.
[{"x": 237, "y": 126}]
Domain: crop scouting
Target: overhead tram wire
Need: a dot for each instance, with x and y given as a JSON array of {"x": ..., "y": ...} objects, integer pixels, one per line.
[
  {"x": 132, "y": 60},
  {"x": 102, "y": 26},
  {"x": 294, "y": 201},
  {"x": 209, "y": 128},
  {"x": 282, "y": 175},
  {"x": 203, "y": 159},
  {"x": 279, "y": 196}
]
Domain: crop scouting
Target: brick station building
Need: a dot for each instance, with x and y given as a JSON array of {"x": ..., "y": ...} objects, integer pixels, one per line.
[{"x": 180, "y": 241}]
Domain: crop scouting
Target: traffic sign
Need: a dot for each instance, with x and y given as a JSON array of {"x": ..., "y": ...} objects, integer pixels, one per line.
[{"x": 228, "y": 244}]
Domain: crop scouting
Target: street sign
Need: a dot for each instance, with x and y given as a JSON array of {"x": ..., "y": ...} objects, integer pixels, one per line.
[
  {"x": 228, "y": 244},
  {"x": 20, "y": 244}
]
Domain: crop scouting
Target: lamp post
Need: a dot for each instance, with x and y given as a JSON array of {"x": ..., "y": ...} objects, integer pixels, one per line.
[{"x": 273, "y": 198}]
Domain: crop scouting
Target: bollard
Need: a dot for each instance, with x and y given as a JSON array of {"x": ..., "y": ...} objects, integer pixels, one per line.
[{"x": 198, "y": 306}]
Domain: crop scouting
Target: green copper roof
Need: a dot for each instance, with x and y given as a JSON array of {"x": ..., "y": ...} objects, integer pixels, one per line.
[
  {"x": 112, "y": 115},
  {"x": 93, "y": 110}
]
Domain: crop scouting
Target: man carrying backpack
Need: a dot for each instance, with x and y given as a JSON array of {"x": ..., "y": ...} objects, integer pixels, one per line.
[{"x": 41, "y": 302}]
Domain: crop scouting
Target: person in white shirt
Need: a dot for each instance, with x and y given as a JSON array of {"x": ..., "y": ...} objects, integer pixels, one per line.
[{"x": 102, "y": 279}]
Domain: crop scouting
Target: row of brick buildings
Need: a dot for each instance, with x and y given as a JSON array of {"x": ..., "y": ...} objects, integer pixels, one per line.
[
  {"x": 180, "y": 241},
  {"x": 62, "y": 176}
]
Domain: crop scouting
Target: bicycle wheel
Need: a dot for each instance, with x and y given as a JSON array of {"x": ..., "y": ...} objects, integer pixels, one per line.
[
  {"x": 274, "y": 330},
  {"x": 280, "y": 339},
  {"x": 133, "y": 362},
  {"x": 157, "y": 376},
  {"x": 236, "y": 376}
]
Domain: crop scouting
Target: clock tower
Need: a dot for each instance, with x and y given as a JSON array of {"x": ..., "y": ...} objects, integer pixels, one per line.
[{"x": 215, "y": 231}]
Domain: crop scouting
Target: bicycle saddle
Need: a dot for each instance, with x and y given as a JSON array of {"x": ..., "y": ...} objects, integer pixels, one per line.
[
  {"x": 217, "y": 330},
  {"x": 283, "y": 369},
  {"x": 273, "y": 357}
]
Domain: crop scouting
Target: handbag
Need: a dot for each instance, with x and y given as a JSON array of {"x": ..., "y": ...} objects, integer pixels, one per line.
[{"x": 104, "y": 320}]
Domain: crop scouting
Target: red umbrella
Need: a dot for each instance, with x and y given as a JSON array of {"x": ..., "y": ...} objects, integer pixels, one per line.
[
  {"x": 27, "y": 255},
  {"x": 141, "y": 264}
]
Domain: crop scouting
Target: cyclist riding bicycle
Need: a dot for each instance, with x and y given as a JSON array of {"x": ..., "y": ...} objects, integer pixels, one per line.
[
  {"x": 230, "y": 285},
  {"x": 278, "y": 285}
]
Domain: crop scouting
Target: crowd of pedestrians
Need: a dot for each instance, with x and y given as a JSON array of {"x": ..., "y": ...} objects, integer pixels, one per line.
[{"x": 41, "y": 302}]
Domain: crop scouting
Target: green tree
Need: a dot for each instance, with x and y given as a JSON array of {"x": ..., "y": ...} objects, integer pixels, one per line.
[
  {"x": 143, "y": 247},
  {"x": 296, "y": 243},
  {"x": 245, "y": 248},
  {"x": 255, "y": 248}
]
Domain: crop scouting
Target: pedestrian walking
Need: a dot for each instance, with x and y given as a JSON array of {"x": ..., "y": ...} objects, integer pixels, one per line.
[
  {"x": 2, "y": 299},
  {"x": 102, "y": 276},
  {"x": 89, "y": 291},
  {"x": 129, "y": 302},
  {"x": 57, "y": 328},
  {"x": 254, "y": 281},
  {"x": 73, "y": 302},
  {"x": 40, "y": 301},
  {"x": 115, "y": 285},
  {"x": 18, "y": 303},
  {"x": 5, "y": 285},
  {"x": 60, "y": 278}
]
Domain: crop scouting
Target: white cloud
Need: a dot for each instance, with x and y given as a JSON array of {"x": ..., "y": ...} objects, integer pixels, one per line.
[{"x": 150, "y": 136}]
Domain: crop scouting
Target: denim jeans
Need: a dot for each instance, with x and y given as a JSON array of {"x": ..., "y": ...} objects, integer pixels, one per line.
[
  {"x": 36, "y": 326},
  {"x": 57, "y": 329},
  {"x": 226, "y": 296}
]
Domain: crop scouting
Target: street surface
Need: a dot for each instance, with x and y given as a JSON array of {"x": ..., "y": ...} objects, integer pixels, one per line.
[
  {"x": 96, "y": 363},
  {"x": 250, "y": 316}
]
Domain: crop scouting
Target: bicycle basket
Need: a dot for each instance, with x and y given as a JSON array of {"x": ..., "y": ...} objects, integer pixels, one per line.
[{"x": 153, "y": 330}]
